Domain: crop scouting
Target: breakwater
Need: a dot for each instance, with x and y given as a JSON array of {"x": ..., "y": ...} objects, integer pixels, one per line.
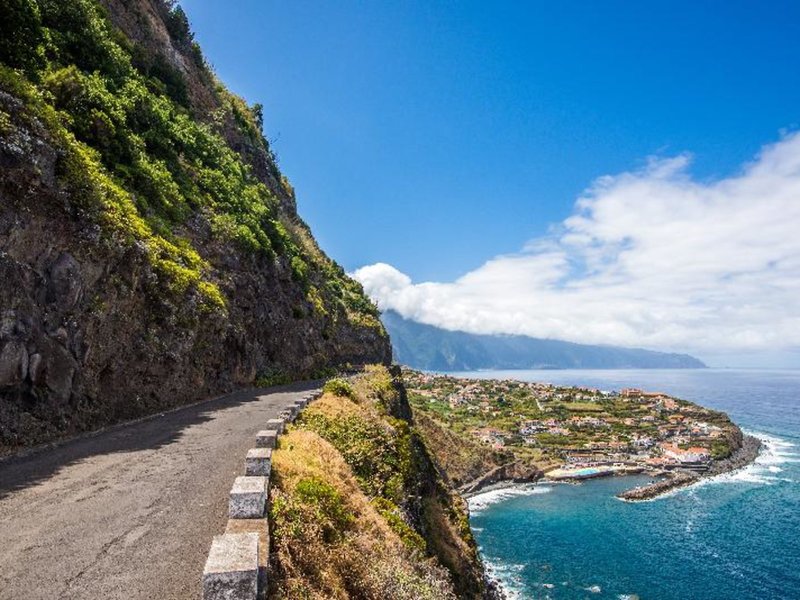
[{"x": 741, "y": 457}]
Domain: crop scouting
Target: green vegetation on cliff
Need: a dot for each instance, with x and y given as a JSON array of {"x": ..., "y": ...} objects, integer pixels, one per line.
[
  {"x": 150, "y": 248},
  {"x": 359, "y": 509},
  {"x": 142, "y": 159}
]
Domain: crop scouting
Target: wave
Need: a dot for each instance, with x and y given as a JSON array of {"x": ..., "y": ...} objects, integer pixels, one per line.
[
  {"x": 485, "y": 499},
  {"x": 507, "y": 576},
  {"x": 775, "y": 451}
]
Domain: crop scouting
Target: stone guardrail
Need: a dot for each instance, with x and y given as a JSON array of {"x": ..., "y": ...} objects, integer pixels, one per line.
[{"x": 237, "y": 563}]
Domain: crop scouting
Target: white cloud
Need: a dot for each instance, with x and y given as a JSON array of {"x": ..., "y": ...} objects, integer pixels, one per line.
[{"x": 648, "y": 258}]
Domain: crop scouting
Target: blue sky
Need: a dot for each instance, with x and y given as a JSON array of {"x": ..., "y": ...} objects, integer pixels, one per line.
[{"x": 435, "y": 137}]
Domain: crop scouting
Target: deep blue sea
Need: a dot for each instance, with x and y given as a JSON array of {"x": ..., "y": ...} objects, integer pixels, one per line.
[{"x": 736, "y": 536}]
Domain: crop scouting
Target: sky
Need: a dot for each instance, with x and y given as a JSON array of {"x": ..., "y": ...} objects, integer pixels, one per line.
[{"x": 616, "y": 172}]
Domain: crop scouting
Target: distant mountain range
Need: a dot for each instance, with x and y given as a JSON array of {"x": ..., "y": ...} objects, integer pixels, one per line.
[{"x": 427, "y": 347}]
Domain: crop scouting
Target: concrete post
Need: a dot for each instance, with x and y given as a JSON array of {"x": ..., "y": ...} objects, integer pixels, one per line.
[
  {"x": 231, "y": 571},
  {"x": 267, "y": 438},
  {"x": 277, "y": 424},
  {"x": 258, "y": 462},
  {"x": 248, "y": 498}
]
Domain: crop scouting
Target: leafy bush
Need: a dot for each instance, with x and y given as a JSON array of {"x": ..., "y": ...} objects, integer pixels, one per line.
[
  {"x": 379, "y": 455},
  {"x": 272, "y": 378},
  {"x": 339, "y": 387},
  {"x": 22, "y": 38},
  {"x": 391, "y": 512},
  {"x": 314, "y": 509},
  {"x": 178, "y": 26},
  {"x": 376, "y": 384},
  {"x": 391, "y": 577}
]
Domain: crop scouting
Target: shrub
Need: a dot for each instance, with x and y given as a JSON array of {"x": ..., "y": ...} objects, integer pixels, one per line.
[
  {"x": 21, "y": 42},
  {"x": 314, "y": 510},
  {"x": 391, "y": 512},
  {"x": 327, "y": 505},
  {"x": 376, "y": 384},
  {"x": 178, "y": 26},
  {"x": 339, "y": 387},
  {"x": 391, "y": 576},
  {"x": 379, "y": 454},
  {"x": 272, "y": 378}
]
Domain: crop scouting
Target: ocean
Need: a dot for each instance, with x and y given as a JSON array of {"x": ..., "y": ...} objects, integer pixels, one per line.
[{"x": 736, "y": 536}]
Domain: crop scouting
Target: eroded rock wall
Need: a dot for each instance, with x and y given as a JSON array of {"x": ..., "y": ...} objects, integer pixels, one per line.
[{"x": 89, "y": 334}]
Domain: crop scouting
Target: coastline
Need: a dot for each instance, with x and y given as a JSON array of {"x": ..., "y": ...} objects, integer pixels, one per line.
[
  {"x": 745, "y": 455},
  {"x": 742, "y": 457},
  {"x": 514, "y": 538},
  {"x": 500, "y": 477},
  {"x": 502, "y": 484}
]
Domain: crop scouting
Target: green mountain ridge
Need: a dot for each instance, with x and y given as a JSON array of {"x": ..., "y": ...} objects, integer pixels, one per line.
[{"x": 426, "y": 347}]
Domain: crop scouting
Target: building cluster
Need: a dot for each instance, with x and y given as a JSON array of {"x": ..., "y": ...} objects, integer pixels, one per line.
[
  {"x": 662, "y": 432},
  {"x": 583, "y": 427}
]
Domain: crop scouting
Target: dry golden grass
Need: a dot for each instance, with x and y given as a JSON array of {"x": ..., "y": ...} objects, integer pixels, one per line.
[
  {"x": 364, "y": 557},
  {"x": 374, "y": 383},
  {"x": 303, "y": 454}
]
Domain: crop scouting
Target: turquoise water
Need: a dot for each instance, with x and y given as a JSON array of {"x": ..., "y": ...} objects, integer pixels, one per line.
[
  {"x": 585, "y": 471},
  {"x": 734, "y": 537}
]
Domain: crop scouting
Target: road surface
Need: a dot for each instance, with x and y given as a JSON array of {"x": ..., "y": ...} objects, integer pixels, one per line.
[{"x": 130, "y": 512}]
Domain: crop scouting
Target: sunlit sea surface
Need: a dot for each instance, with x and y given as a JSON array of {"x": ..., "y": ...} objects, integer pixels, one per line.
[{"x": 736, "y": 536}]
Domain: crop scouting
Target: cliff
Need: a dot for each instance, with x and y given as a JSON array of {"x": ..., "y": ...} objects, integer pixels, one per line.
[
  {"x": 151, "y": 253},
  {"x": 359, "y": 508}
]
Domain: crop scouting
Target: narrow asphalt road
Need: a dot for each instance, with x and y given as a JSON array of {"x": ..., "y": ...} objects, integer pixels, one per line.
[{"x": 128, "y": 513}]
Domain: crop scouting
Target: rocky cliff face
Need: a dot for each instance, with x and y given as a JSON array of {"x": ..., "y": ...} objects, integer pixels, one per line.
[{"x": 150, "y": 249}]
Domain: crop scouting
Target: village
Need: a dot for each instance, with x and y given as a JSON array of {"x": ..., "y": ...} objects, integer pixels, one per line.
[{"x": 586, "y": 432}]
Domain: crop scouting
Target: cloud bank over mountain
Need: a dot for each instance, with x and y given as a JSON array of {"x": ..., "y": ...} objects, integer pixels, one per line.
[{"x": 650, "y": 258}]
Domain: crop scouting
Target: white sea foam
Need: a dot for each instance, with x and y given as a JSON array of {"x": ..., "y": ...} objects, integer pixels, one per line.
[
  {"x": 774, "y": 451},
  {"x": 594, "y": 589},
  {"x": 481, "y": 501},
  {"x": 507, "y": 576}
]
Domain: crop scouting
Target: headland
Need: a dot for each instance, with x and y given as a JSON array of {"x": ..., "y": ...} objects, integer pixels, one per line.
[{"x": 489, "y": 432}]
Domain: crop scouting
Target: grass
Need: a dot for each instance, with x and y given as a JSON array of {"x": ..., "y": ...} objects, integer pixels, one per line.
[
  {"x": 461, "y": 457},
  {"x": 330, "y": 540},
  {"x": 359, "y": 510}
]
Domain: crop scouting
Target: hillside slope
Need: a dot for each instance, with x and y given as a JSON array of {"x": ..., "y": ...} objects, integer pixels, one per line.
[
  {"x": 151, "y": 252},
  {"x": 421, "y": 346},
  {"x": 359, "y": 508}
]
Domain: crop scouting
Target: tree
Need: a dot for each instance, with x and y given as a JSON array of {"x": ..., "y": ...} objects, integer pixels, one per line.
[
  {"x": 258, "y": 114},
  {"x": 178, "y": 27},
  {"x": 21, "y": 41}
]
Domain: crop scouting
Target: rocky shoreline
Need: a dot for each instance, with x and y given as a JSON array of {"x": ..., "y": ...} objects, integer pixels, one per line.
[
  {"x": 742, "y": 457},
  {"x": 502, "y": 476},
  {"x": 673, "y": 480}
]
